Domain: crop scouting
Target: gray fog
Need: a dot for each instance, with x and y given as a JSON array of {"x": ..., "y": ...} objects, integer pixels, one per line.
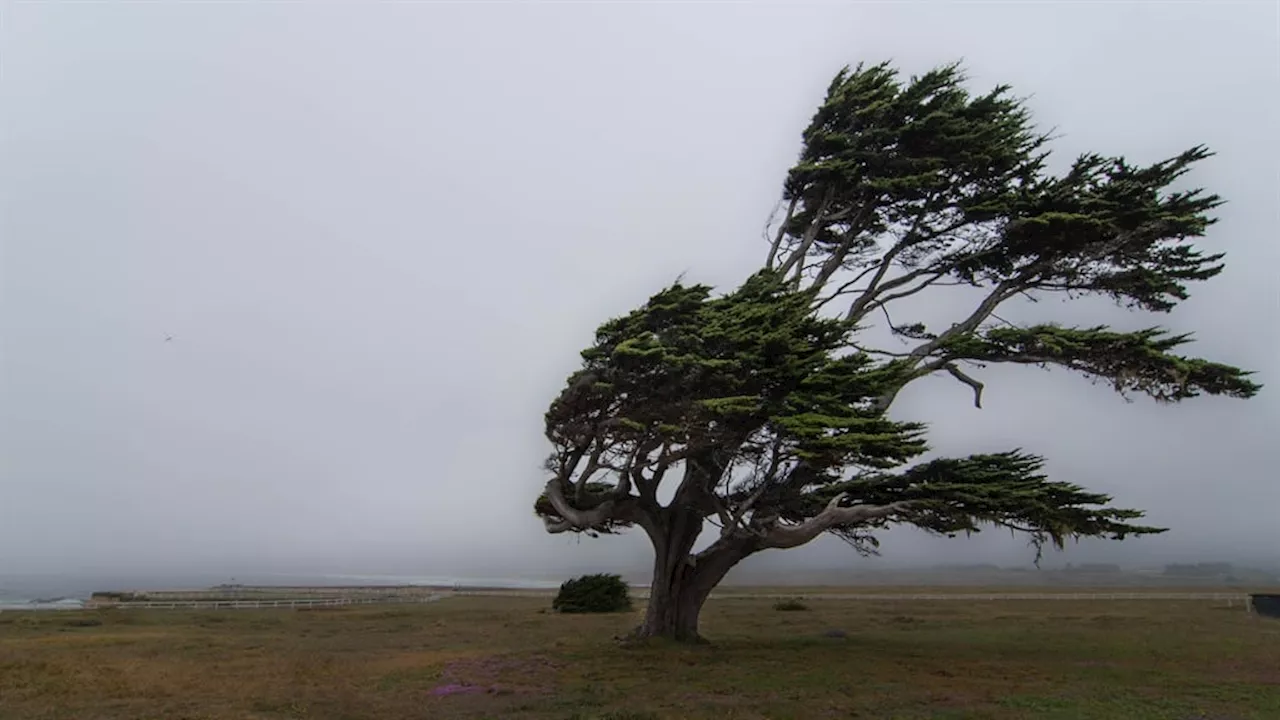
[{"x": 288, "y": 287}]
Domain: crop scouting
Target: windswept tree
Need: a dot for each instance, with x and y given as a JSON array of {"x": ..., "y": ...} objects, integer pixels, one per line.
[{"x": 763, "y": 412}]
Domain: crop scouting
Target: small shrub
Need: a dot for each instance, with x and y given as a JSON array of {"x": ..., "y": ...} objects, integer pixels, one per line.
[
  {"x": 593, "y": 594},
  {"x": 790, "y": 606},
  {"x": 83, "y": 622}
]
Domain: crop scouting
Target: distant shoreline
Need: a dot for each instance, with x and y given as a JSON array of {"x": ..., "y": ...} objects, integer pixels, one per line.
[
  {"x": 410, "y": 593},
  {"x": 52, "y": 591}
]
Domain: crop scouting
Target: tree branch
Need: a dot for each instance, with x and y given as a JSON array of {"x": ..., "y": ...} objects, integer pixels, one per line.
[
  {"x": 1140, "y": 360},
  {"x": 570, "y": 463},
  {"x": 836, "y": 259},
  {"x": 646, "y": 487},
  {"x": 766, "y": 480},
  {"x": 727, "y": 523},
  {"x": 782, "y": 232},
  {"x": 845, "y": 288},
  {"x": 960, "y": 375},
  {"x": 911, "y": 237},
  {"x": 789, "y": 536},
  {"x": 881, "y": 302},
  {"x": 556, "y": 527},
  {"x": 870, "y": 292},
  {"x": 1002, "y": 291},
  {"x": 798, "y": 255},
  {"x": 573, "y": 518},
  {"x": 593, "y": 464}
]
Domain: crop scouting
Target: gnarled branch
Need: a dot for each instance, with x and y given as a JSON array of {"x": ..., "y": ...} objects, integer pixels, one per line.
[
  {"x": 789, "y": 536},
  {"x": 573, "y": 518},
  {"x": 960, "y": 375}
]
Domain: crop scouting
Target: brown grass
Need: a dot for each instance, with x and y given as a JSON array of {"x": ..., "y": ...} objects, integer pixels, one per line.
[{"x": 1171, "y": 660}]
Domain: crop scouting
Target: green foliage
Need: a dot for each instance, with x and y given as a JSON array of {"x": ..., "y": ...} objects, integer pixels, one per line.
[
  {"x": 790, "y": 606},
  {"x": 773, "y": 407},
  {"x": 878, "y": 148},
  {"x": 704, "y": 373},
  {"x": 593, "y": 594},
  {"x": 945, "y": 183},
  {"x": 960, "y": 495},
  {"x": 1131, "y": 361},
  {"x": 1108, "y": 227}
]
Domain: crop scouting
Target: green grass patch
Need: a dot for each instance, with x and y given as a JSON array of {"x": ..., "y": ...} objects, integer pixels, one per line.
[{"x": 926, "y": 660}]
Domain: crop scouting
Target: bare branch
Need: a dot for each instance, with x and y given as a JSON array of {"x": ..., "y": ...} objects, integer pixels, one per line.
[
  {"x": 782, "y": 232},
  {"x": 862, "y": 305},
  {"x": 873, "y": 351},
  {"x": 798, "y": 255},
  {"x": 766, "y": 480},
  {"x": 789, "y": 536},
  {"x": 573, "y": 518},
  {"x": 869, "y": 292},
  {"x": 835, "y": 260},
  {"x": 845, "y": 289},
  {"x": 633, "y": 472},
  {"x": 939, "y": 269},
  {"x": 909, "y": 238},
  {"x": 930, "y": 282},
  {"x": 569, "y": 462},
  {"x": 960, "y": 375},
  {"x": 593, "y": 465},
  {"x": 1001, "y": 292},
  {"x": 888, "y": 319},
  {"x": 648, "y": 487},
  {"x": 727, "y": 522},
  {"x": 750, "y": 503},
  {"x": 555, "y": 527}
]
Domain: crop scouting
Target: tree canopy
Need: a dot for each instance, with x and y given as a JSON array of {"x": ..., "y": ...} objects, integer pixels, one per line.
[{"x": 764, "y": 410}]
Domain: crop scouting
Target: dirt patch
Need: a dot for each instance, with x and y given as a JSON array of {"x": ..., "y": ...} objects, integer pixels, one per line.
[{"x": 497, "y": 674}]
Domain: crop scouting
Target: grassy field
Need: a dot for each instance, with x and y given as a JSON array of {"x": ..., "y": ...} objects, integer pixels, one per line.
[{"x": 1054, "y": 660}]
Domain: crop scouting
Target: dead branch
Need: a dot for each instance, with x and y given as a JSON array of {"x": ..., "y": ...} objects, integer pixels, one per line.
[{"x": 960, "y": 375}]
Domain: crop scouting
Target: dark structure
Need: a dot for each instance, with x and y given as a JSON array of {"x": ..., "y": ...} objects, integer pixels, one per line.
[{"x": 1266, "y": 604}]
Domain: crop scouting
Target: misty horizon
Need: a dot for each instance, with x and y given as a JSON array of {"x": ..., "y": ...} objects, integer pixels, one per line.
[{"x": 288, "y": 286}]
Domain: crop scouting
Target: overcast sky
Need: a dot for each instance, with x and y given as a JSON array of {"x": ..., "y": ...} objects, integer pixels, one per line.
[{"x": 378, "y": 234}]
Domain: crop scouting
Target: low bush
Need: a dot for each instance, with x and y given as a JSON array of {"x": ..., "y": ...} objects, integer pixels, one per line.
[
  {"x": 790, "y": 606},
  {"x": 593, "y": 594}
]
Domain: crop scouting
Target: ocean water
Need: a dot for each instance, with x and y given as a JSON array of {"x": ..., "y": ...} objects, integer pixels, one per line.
[{"x": 48, "y": 592}]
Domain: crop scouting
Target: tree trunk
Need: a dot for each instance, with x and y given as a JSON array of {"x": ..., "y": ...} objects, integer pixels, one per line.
[
  {"x": 673, "y": 611},
  {"x": 681, "y": 581}
]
